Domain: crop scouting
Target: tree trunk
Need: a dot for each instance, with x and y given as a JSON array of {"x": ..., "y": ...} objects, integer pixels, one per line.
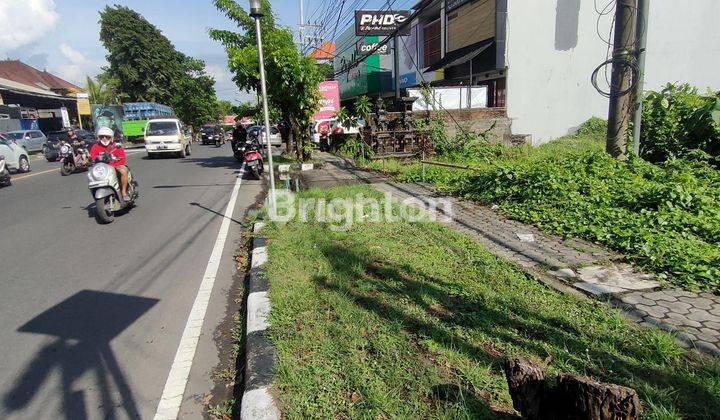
[
  {"x": 526, "y": 382},
  {"x": 298, "y": 138},
  {"x": 285, "y": 133},
  {"x": 574, "y": 397},
  {"x": 586, "y": 399}
]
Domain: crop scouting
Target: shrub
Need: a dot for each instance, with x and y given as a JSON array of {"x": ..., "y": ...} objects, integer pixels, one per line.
[{"x": 678, "y": 123}]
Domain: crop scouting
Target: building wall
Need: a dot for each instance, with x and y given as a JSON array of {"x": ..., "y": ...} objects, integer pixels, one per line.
[
  {"x": 470, "y": 23},
  {"x": 553, "y": 47}
]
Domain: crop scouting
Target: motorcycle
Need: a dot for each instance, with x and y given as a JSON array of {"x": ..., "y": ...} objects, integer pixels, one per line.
[
  {"x": 4, "y": 172},
  {"x": 324, "y": 131},
  {"x": 72, "y": 159},
  {"x": 219, "y": 139},
  {"x": 239, "y": 149},
  {"x": 104, "y": 184},
  {"x": 253, "y": 158}
]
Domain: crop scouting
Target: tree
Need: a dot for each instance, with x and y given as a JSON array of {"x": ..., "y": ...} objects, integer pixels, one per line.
[
  {"x": 147, "y": 67},
  {"x": 103, "y": 90},
  {"x": 292, "y": 79},
  {"x": 225, "y": 108}
]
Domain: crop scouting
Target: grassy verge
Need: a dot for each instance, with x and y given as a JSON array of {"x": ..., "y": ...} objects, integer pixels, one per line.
[
  {"x": 665, "y": 218},
  {"x": 400, "y": 320}
]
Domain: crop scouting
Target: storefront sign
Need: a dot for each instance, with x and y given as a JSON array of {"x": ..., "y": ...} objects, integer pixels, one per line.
[
  {"x": 330, "y": 102},
  {"x": 365, "y": 47},
  {"x": 65, "y": 117},
  {"x": 380, "y": 22},
  {"x": 451, "y": 5}
]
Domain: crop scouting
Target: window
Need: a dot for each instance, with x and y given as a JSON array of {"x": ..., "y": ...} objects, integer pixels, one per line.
[
  {"x": 162, "y": 128},
  {"x": 431, "y": 43}
]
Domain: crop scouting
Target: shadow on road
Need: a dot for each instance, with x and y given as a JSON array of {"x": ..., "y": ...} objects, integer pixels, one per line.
[
  {"x": 84, "y": 325},
  {"x": 228, "y": 162},
  {"x": 193, "y": 185},
  {"x": 213, "y": 211}
]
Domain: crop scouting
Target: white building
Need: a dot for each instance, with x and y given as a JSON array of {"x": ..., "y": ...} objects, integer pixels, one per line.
[{"x": 536, "y": 56}]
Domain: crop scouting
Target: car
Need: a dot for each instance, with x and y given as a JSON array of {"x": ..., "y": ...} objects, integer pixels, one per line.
[
  {"x": 51, "y": 148},
  {"x": 31, "y": 140},
  {"x": 16, "y": 156},
  {"x": 166, "y": 136},
  {"x": 275, "y": 137},
  {"x": 208, "y": 131}
]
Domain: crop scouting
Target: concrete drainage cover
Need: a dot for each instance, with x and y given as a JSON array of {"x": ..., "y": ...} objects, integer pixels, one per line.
[{"x": 613, "y": 279}]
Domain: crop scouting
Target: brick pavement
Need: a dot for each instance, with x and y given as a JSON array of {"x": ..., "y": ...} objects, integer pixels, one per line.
[{"x": 570, "y": 265}]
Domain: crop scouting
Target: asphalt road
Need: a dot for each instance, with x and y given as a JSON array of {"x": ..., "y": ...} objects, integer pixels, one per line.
[{"x": 92, "y": 315}]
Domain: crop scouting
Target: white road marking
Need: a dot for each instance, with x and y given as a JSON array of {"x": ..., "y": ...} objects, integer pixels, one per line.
[{"x": 169, "y": 405}]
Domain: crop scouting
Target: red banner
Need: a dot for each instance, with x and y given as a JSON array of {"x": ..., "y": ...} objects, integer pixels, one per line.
[{"x": 330, "y": 102}]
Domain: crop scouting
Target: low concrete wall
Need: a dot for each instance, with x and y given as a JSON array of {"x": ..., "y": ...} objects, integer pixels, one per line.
[{"x": 492, "y": 122}]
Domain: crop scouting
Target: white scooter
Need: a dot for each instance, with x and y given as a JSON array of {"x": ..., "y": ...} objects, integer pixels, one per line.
[{"x": 104, "y": 185}]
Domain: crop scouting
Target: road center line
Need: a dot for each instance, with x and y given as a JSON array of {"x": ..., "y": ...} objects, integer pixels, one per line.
[{"x": 169, "y": 405}]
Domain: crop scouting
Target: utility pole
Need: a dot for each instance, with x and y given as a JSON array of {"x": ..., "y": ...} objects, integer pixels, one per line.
[
  {"x": 256, "y": 13},
  {"x": 302, "y": 26},
  {"x": 396, "y": 65},
  {"x": 641, "y": 30},
  {"x": 621, "y": 99}
]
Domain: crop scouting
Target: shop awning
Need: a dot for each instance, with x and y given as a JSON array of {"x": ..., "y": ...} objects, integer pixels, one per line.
[{"x": 461, "y": 56}]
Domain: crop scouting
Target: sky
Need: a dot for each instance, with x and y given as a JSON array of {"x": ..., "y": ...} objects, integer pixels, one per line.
[{"x": 63, "y": 36}]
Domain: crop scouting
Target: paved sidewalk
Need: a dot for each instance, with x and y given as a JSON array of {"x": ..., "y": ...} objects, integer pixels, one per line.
[{"x": 570, "y": 265}]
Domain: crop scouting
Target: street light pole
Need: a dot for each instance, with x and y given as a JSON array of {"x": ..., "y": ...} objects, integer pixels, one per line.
[{"x": 256, "y": 13}]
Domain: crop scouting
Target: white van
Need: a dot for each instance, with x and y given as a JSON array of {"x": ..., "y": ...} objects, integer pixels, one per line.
[{"x": 165, "y": 136}]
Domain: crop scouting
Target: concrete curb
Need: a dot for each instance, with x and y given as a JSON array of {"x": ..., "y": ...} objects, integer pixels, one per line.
[{"x": 257, "y": 402}]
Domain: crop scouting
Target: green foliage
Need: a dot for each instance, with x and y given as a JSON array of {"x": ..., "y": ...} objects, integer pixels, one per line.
[
  {"x": 326, "y": 70},
  {"x": 345, "y": 117},
  {"x": 292, "y": 79},
  {"x": 147, "y": 67},
  {"x": 104, "y": 90},
  {"x": 225, "y": 108},
  {"x": 411, "y": 320},
  {"x": 354, "y": 148},
  {"x": 363, "y": 107},
  {"x": 678, "y": 122},
  {"x": 664, "y": 217},
  {"x": 594, "y": 127}
]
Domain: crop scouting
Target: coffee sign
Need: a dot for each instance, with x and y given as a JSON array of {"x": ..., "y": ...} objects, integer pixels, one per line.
[
  {"x": 365, "y": 47},
  {"x": 381, "y": 22}
]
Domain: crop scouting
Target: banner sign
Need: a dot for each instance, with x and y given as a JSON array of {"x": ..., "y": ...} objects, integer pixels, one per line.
[
  {"x": 380, "y": 22},
  {"x": 330, "y": 102},
  {"x": 365, "y": 47},
  {"x": 451, "y": 5}
]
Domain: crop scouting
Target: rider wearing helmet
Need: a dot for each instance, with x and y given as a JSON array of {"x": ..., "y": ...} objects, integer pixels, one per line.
[{"x": 117, "y": 156}]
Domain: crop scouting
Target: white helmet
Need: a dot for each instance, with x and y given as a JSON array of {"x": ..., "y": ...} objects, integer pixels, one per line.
[{"x": 105, "y": 131}]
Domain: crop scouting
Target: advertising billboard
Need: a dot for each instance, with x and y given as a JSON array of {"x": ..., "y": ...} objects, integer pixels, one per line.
[
  {"x": 380, "y": 22},
  {"x": 330, "y": 102}
]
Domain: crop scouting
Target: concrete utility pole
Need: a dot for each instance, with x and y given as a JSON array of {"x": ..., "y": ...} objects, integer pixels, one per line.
[
  {"x": 302, "y": 26},
  {"x": 396, "y": 65},
  {"x": 641, "y": 31},
  {"x": 256, "y": 13},
  {"x": 621, "y": 99}
]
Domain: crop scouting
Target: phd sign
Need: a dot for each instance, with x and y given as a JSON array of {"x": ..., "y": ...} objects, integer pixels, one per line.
[
  {"x": 380, "y": 22},
  {"x": 365, "y": 47}
]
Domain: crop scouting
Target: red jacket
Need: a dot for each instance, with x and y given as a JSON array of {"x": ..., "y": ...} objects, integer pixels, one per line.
[{"x": 117, "y": 152}]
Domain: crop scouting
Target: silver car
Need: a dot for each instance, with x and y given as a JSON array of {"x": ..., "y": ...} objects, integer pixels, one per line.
[{"x": 31, "y": 140}]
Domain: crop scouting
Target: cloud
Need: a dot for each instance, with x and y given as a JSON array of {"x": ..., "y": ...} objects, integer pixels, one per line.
[
  {"x": 76, "y": 66},
  {"x": 72, "y": 54},
  {"x": 24, "y": 22}
]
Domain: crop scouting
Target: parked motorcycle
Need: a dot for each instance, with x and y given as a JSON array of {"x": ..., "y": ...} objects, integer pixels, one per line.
[
  {"x": 4, "y": 172},
  {"x": 253, "y": 158},
  {"x": 73, "y": 159},
  {"x": 104, "y": 184},
  {"x": 324, "y": 131},
  {"x": 239, "y": 149}
]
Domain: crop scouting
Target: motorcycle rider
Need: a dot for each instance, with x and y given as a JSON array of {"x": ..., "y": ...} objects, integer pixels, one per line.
[
  {"x": 117, "y": 155},
  {"x": 79, "y": 147},
  {"x": 239, "y": 135}
]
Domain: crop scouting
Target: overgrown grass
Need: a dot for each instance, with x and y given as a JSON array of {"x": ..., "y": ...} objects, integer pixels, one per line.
[
  {"x": 399, "y": 320},
  {"x": 665, "y": 217}
]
